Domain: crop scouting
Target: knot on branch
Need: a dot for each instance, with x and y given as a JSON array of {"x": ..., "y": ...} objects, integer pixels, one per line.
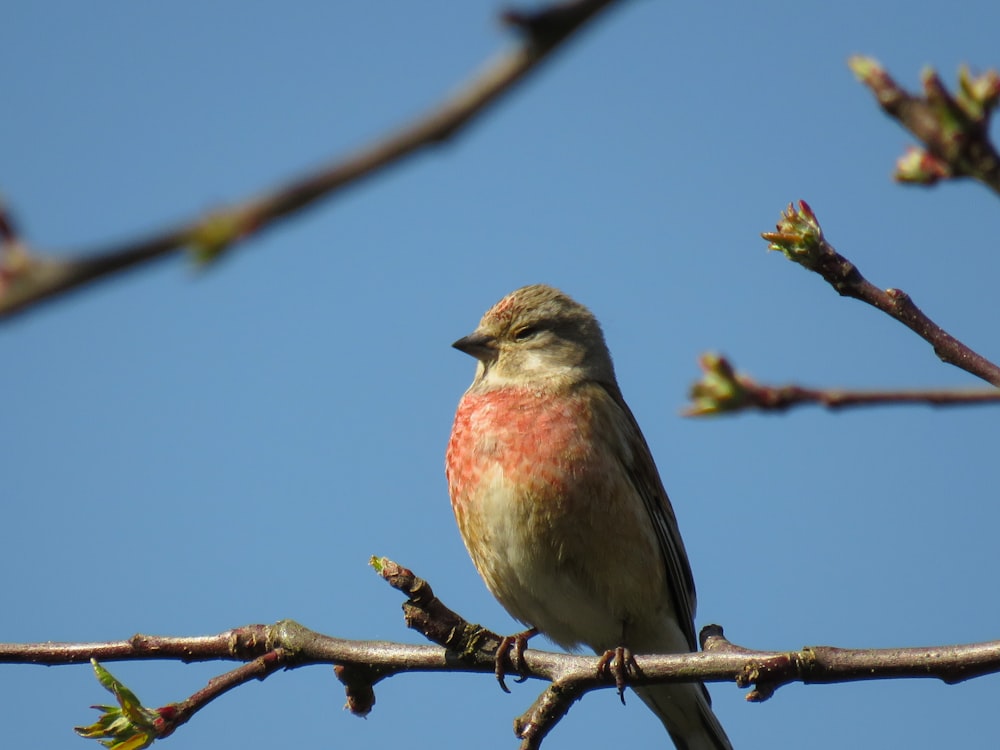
[
  {"x": 359, "y": 685},
  {"x": 767, "y": 675}
]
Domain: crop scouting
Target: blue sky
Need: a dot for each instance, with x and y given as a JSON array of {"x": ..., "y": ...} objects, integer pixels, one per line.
[{"x": 185, "y": 452}]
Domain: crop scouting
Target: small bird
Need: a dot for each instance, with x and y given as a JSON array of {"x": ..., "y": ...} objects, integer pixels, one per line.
[{"x": 559, "y": 502}]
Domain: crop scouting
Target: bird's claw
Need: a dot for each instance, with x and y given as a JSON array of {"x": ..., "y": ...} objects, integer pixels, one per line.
[
  {"x": 512, "y": 649},
  {"x": 619, "y": 664}
]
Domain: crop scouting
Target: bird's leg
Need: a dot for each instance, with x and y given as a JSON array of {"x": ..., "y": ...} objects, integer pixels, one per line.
[
  {"x": 618, "y": 663},
  {"x": 512, "y": 647}
]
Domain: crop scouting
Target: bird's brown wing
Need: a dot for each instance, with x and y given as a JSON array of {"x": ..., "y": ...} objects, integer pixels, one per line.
[{"x": 649, "y": 486}]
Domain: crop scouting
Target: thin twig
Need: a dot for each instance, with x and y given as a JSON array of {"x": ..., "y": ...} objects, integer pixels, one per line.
[
  {"x": 260, "y": 668},
  {"x": 722, "y": 390},
  {"x": 800, "y": 238},
  {"x": 28, "y": 278}
]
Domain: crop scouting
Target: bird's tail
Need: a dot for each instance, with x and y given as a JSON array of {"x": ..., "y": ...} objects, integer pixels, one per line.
[{"x": 686, "y": 711}]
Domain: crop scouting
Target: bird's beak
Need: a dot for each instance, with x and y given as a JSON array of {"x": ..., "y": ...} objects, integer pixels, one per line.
[{"x": 477, "y": 344}]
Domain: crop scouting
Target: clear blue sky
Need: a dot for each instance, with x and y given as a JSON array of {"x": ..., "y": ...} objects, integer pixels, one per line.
[{"x": 183, "y": 453}]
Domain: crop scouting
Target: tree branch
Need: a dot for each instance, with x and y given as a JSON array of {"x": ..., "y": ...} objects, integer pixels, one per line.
[
  {"x": 954, "y": 129},
  {"x": 27, "y": 278},
  {"x": 362, "y": 664},
  {"x": 800, "y": 238},
  {"x": 722, "y": 390}
]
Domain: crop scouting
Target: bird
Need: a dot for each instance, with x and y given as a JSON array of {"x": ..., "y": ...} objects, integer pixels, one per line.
[{"x": 559, "y": 502}]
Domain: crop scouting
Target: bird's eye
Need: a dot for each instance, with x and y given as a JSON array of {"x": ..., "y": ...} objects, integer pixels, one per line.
[{"x": 522, "y": 334}]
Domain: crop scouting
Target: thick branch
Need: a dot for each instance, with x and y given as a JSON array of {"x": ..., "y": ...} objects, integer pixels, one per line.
[
  {"x": 239, "y": 644},
  {"x": 362, "y": 664},
  {"x": 26, "y": 278},
  {"x": 800, "y": 238},
  {"x": 723, "y": 663}
]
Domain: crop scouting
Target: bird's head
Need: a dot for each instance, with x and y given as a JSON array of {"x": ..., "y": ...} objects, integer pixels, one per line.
[{"x": 538, "y": 336}]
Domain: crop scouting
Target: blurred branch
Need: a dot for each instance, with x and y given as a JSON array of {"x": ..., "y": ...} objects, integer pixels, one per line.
[
  {"x": 27, "y": 278},
  {"x": 800, "y": 238},
  {"x": 953, "y": 129},
  {"x": 722, "y": 390},
  {"x": 468, "y": 648}
]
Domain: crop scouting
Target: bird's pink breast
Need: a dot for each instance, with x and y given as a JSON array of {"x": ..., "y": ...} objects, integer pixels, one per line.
[
  {"x": 534, "y": 437},
  {"x": 548, "y": 509}
]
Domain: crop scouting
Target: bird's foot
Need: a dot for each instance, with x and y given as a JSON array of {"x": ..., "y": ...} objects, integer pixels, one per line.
[
  {"x": 511, "y": 649},
  {"x": 620, "y": 664}
]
